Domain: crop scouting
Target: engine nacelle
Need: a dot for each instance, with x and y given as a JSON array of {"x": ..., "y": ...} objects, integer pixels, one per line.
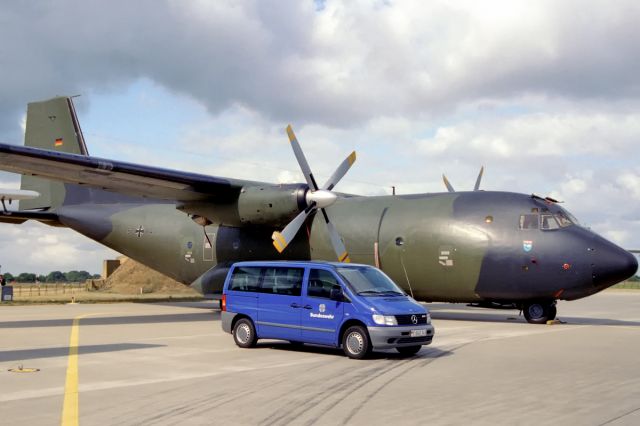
[{"x": 273, "y": 205}]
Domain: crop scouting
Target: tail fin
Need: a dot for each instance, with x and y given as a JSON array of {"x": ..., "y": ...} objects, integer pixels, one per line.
[{"x": 51, "y": 125}]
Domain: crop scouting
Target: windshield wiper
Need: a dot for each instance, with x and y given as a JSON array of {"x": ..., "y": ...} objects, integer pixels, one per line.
[
  {"x": 392, "y": 293},
  {"x": 376, "y": 292}
]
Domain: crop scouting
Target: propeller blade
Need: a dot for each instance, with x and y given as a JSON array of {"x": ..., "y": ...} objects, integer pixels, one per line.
[
  {"x": 282, "y": 239},
  {"x": 336, "y": 241},
  {"x": 302, "y": 161},
  {"x": 477, "y": 187},
  {"x": 447, "y": 184},
  {"x": 342, "y": 169}
]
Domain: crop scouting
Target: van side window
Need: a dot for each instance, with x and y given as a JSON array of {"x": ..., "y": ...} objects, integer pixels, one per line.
[
  {"x": 320, "y": 283},
  {"x": 282, "y": 281},
  {"x": 245, "y": 279}
]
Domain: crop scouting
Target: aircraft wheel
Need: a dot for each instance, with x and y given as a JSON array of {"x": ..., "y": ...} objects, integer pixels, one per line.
[
  {"x": 539, "y": 312},
  {"x": 244, "y": 333},
  {"x": 355, "y": 342},
  {"x": 409, "y": 350}
]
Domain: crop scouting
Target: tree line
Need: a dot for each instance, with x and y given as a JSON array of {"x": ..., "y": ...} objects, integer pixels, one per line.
[{"x": 52, "y": 277}]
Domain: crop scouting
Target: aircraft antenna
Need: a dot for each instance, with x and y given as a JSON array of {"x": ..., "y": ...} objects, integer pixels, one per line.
[{"x": 406, "y": 275}]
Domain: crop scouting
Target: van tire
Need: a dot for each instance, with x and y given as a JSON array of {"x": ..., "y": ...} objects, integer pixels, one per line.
[
  {"x": 355, "y": 342},
  {"x": 409, "y": 350},
  {"x": 244, "y": 333}
]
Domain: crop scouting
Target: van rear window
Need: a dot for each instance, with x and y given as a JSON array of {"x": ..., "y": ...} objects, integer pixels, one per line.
[{"x": 245, "y": 279}]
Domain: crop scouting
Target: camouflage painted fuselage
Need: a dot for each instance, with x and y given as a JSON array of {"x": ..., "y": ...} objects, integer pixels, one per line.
[{"x": 459, "y": 247}]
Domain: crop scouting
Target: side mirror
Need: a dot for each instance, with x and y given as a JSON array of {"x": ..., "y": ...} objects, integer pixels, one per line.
[{"x": 336, "y": 293}]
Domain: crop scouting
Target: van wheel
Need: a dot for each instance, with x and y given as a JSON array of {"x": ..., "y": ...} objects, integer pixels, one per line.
[
  {"x": 409, "y": 350},
  {"x": 244, "y": 333},
  {"x": 355, "y": 342}
]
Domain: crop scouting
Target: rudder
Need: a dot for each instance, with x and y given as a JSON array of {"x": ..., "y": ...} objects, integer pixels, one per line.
[{"x": 52, "y": 125}]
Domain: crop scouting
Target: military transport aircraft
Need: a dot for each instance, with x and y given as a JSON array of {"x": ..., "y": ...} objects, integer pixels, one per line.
[{"x": 483, "y": 247}]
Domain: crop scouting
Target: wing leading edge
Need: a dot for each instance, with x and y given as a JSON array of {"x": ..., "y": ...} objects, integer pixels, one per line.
[{"x": 117, "y": 176}]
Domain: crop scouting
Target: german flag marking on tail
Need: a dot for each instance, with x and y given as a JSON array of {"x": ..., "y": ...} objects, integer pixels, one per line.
[{"x": 58, "y": 142}]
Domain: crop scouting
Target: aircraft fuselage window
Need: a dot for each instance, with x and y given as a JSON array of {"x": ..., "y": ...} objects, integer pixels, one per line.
[
  {"x": 529, "y": 221},
  {"x": 548, "y": 222}
]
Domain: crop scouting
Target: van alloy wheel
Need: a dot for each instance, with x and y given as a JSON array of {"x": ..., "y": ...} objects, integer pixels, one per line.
[
  {"x": 244, "y": 333},
  {"x": 355, "y": 342}
]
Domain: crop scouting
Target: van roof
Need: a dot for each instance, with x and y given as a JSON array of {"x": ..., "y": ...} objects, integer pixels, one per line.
[{"x": 299, "y": 263}]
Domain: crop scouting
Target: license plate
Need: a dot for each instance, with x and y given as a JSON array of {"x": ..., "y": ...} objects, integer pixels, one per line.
[{"x": 418, "y": 333}]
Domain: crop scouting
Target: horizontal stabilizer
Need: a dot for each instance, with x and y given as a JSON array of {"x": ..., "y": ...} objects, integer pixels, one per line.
[
  {"x": 17, "y": 194},
  {"x": 18, "y": 217}
]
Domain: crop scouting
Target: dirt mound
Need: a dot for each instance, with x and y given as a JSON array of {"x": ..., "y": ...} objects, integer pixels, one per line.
[{"x": 132, "y": 277}]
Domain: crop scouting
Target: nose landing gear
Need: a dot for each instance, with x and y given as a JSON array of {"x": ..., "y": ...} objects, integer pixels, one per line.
[{"x": 539, "y": 311}]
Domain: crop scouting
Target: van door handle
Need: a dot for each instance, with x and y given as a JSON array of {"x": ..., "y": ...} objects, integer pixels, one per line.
[
  {"x": 294, "y": 305},
  {"x": 307, "y": 307}
]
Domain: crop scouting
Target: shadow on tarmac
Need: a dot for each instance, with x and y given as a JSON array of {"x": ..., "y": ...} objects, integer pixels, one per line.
[
  {"x": 514, "y": 317},
  {"x": 425, "y": 353},
  {"x": 24, "y": 354},
  {"x": 130, "y": 319}
]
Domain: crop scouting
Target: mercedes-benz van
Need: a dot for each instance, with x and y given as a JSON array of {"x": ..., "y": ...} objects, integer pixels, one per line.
[{"x": 356, "y": 307}]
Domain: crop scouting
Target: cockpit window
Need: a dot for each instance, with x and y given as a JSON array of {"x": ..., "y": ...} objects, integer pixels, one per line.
[
  {"x": 564, "y": 220},
  {"x": 528, "y": 221},
  {"x": 547, "y": 222}
]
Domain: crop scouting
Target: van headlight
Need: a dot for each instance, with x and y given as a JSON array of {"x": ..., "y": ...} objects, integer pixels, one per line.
[
  {"x": 428, "y": 318},
  {"x": 384, "y": 319}
]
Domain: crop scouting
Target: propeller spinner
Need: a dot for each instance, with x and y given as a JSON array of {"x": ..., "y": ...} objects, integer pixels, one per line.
[{"x": 316, "y": 198}]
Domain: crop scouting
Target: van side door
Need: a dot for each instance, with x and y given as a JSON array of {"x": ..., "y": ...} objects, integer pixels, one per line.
[
  {"x": 321, "y": 316},
  {"x": 280, "y": 303}
]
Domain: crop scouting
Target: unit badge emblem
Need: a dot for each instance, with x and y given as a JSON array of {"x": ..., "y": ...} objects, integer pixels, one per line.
[{"x": 527, "y": 246}]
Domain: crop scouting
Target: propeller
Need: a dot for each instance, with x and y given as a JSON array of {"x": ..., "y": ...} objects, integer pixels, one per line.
[
  {"x": 475, "y": 188},
  {"x": 317, "y": 199}
]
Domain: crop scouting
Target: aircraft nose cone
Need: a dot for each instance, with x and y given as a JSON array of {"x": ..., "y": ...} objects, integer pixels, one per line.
[{"x": 612, "y": 264}]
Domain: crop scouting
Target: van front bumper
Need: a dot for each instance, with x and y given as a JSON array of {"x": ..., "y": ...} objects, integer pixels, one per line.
[{"x": 396, "y": 337}]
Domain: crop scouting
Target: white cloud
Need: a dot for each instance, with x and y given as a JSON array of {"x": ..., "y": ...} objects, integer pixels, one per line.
[
  {"x": 631, "y": 183},
  {"x": 544, "y": 94}
]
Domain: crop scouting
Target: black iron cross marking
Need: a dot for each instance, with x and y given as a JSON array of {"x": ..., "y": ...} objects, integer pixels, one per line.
[{"x": 140, "y": 231}]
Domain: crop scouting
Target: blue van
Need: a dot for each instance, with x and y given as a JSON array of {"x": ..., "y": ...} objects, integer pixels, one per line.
[{"x": 356, "y": 307}]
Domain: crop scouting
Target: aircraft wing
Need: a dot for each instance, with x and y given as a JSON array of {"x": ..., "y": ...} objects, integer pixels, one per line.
[{"x": 117, "y": 176}]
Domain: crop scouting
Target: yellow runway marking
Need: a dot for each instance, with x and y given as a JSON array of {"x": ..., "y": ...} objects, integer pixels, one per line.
[{"x": 70, "y": 405}]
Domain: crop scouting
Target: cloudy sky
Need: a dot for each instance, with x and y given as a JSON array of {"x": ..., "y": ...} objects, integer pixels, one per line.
[{"x": 545, "y": 95}]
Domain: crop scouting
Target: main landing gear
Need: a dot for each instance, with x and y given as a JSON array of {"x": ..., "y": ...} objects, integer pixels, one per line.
[{"x": 539, "y": 311}]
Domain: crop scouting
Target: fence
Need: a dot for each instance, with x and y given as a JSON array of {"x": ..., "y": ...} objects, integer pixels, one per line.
[{"x": 47, "y": 289}]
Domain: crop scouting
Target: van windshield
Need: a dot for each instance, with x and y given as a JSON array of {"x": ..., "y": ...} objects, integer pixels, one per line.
[{"x": 367, "y": 281}]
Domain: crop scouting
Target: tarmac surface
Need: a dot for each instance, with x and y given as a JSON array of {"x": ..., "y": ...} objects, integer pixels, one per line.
[{"x": 170, "y": 363}]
